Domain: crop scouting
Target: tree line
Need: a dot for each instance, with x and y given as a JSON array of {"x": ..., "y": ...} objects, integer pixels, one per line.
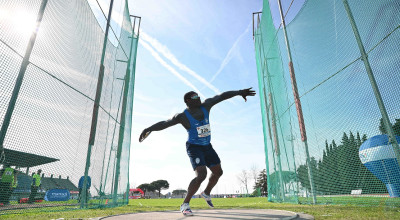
[
  {"x": 340, "y": 169},
  {"x": 259, "y": 178},
  {"x": 262, "y": 183},
  {"x": 157, "y": 185}
]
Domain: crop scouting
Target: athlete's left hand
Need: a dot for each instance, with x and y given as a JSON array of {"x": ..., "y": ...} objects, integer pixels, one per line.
[{"x": 247, "y": 92}]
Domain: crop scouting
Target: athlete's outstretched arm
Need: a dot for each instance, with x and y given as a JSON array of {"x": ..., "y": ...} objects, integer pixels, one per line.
[
  {"x": 227, "y": 95},
  {"x": 160, "y": 126}
]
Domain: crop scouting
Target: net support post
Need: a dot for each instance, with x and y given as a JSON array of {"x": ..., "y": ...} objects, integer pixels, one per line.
[
  {"x": 264, "y": 106},
  {"x": 263, "y": 98},
  {"x": 278, "y": 191},
  {"x": 256, "y": 25},
  {"x": 139, "y": 20},
  {"x": 96, "y": 106},
  {"x": 123, "y": 114},
  {"x": 20, "y": 77},
  {"x": 277, "y": 148},
  {"x": 378, "y": 97},
  {"x": 298, "y": 107},
  {"x": 133, "y": 69}
]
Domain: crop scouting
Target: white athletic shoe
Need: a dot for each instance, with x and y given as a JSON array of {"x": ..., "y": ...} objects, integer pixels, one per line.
[
  {"x": 185, "y": 209},
  {"x": 207, "y": 198}
]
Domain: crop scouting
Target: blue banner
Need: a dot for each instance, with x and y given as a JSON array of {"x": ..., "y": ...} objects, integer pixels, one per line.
[{"x": 57, "y": 195}]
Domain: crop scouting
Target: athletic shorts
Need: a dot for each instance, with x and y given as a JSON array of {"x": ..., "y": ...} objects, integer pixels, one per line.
[{"x": 202, "y": 155}]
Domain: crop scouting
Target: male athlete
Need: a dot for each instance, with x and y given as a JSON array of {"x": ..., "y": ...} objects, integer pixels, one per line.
[{"x": 195, "y": 119}]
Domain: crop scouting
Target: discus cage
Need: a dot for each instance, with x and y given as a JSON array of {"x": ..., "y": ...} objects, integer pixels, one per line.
[
  {"x": 67, "y": 73},
  {"x": 328, "y": 77}
]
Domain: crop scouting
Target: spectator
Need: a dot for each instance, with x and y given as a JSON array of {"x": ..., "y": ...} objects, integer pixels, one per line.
[
  {"x": 80, "y": 186},
  {"x": 36, "y": 183},
  {"x": 14, "y": 185},
  {"x": 7, "y": 176}
]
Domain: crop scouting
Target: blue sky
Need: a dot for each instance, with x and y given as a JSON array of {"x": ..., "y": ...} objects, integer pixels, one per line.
[
  {"x": 205, "y": 46},
  {"x": 195, "y": 45}
]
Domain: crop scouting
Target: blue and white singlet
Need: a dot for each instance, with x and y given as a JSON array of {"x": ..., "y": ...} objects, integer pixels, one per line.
[{"x": 199, "y": 132}]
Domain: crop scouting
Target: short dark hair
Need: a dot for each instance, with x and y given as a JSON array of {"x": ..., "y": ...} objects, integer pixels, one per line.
[{"x": 188, "y": 95}]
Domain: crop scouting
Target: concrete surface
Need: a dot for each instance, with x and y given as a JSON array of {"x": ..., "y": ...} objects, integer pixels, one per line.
[{"x": 234, "y": 214}]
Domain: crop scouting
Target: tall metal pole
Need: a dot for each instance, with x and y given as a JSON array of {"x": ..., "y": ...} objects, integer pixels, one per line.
[
  {"x": 291, "y": 139},
  {"x": 133, "y": 87},
  {"x": 378, "y": 97},
  {"x": 96, "y": 107},
  {"x": 265, "y": 139},
  {"x": 276, "y": 141},
  {"x": 20, "y": 78},
  {"x": 263, "y": 99},
  {"x": 122, "y": 122},
  {"x": 278, "y": 191},
  {"x": 298, "y": 106}
]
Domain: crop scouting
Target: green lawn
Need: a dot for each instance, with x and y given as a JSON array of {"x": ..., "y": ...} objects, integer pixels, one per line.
[{"x": 145, "y": 205}]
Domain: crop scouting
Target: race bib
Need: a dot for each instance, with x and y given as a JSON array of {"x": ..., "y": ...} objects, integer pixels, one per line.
[{"x": 204, "y": 131}]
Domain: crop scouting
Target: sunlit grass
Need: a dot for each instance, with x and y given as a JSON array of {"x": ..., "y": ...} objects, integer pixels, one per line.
[{"x": 146, "y": 205}]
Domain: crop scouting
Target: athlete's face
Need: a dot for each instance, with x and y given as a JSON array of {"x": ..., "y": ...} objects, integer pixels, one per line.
[{"x": 194, "y": 100}]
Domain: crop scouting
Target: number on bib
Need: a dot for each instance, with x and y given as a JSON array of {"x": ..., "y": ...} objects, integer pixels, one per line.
[{"x": 204, "y": 131}]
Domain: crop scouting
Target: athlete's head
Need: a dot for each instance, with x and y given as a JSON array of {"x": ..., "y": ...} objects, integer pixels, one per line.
[{"x": 192, "y": 99}]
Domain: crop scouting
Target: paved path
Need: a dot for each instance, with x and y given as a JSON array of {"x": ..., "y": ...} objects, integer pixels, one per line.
[{"x": 234, "y": 214}]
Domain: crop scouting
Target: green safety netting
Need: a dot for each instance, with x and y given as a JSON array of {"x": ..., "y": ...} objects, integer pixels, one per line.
[
  {"x": 50, "y": 126},
  {"x": 337, "y": 101}
]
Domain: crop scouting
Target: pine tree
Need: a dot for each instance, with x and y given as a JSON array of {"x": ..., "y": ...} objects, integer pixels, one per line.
[
  {"x": 316, "y": 176},
  {"x": 334, "y": 145},
  {"x": 322, "y": 172},
  {"x": 344, "y": 163},
  {"x": 327, "y": 147},
  {"x": 302, "y": 174},
  {"x": 396, "y": 127},
  {"x": 354, "y": 162},
  {"x": 262, "y": 183},
  {"x": 364, "y": 138},
  {"x": 358, "y": 139},
  {"x": 333, "y": 167},
  {"x": 345, "y": 139}
]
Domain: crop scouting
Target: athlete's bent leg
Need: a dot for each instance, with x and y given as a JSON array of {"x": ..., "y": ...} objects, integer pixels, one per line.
[
  {"x": 201, "y": 174},
  {"x": 214, "y": 177}
]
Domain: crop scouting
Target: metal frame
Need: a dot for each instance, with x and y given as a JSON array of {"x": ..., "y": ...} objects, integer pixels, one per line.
[
  {"x": 258, "y": 21},
  {"x": 298, "y": 107},
  {"x": 134, "y": 23}
]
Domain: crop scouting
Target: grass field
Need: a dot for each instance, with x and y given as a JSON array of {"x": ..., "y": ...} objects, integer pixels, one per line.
[{"x": 146, "y": 205}]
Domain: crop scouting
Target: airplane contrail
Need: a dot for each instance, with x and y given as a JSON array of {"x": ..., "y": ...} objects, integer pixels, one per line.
[
  {"x": 168, "y": 55},
  {"x": 170, "y": 68},
  {"x": 230, "y": 53}
]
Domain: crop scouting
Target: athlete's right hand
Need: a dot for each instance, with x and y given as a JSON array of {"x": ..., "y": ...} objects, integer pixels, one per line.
[{"x": 144, "y": 134}]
